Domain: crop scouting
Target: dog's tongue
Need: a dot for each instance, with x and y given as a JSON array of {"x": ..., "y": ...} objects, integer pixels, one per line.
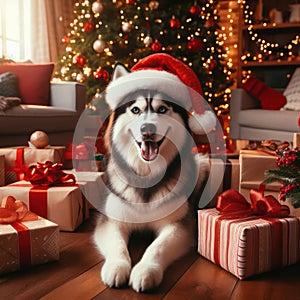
[{"x": 149, "y": 150}]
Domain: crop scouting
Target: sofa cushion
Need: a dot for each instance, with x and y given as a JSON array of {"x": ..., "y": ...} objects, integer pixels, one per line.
[
  {"x": 9, "y": 85},
  {"x": 269, "y": 119},
  {"x": 292, "y": 92},
  {"x": 34, "y": 81},
  {"x": 29, "y": 118}
]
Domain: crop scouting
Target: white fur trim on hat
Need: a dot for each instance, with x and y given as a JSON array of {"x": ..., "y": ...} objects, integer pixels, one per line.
[
  {"x": 160, "y": 81},
  {"x": 202, "y": 124}
]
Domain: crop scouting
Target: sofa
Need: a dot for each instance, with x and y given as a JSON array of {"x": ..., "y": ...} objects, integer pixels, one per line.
[
  {"x": 58, "y": 119},
  {"x": 52, "y": 107},
  {"x": 248, "y": 121}
]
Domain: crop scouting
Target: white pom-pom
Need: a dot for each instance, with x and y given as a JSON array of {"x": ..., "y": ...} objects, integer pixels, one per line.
[{"x": 202, "y": 124}]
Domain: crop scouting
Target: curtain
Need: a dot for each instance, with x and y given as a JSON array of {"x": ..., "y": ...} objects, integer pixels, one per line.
[
  {"x": 39, "y": 45},
  {"x": 59, "y": 15}
]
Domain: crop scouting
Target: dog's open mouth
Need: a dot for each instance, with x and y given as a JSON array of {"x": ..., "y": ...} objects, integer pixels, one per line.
[{"x": 149, "y": 147}]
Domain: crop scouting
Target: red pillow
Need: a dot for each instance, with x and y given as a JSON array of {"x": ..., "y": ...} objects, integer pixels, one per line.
[
  {"x": 34, "y": 81},
  {"x": 269, "y": 98}
]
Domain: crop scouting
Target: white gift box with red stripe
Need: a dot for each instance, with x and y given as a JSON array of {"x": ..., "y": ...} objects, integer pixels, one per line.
[{"x": 248, "y": 246}]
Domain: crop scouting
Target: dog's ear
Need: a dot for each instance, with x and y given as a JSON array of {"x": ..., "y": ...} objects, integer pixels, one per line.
[{"x": 119, "y": 71}]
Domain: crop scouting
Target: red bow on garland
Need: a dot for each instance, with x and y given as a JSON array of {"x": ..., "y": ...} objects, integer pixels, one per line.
[
  {"x": 233, "y": 205},
  {"x": 47, "y": 174},
  {"x": 13, "y": 210}
]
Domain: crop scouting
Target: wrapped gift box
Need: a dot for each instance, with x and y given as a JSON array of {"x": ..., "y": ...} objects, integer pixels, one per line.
[
  {"x": 296, "y": 140},
  {"x": 253, "y": 165},
  {"x": 2, "y": 166},
  {"x": 28, "y": 243},
  {"x": 248, "y": 246},
  {"x": 16, "y": 158},
  {"x": 63, "y": 205},
  {"x": 230, "y": 175}
]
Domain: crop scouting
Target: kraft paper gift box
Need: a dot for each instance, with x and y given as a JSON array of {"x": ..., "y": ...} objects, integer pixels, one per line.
[
  {"x": 253, "y": 165},
  {"x": 63, "y": 205},
  {"x": 248, "y": 246},
  {"x": 28, "y": 243},
  {"x": 296, "y": 140},
  {"x": 2, "y": 164},
  {"x": 18, "y": 158},
  {"x": 230, "y": 172}
]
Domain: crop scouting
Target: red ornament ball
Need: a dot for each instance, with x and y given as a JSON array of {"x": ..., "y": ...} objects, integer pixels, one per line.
[
  {"x": 79, "y": 60},
  {"x": 156, "y": 46},
  {"x": 174, "y": 23},
  {"x": 209, "y": 23},
  {"x": 102, "y": 75},
  {"x": 195, "y": 10},
  {"x": 212, "y": 64},
  {"x": 130, "y": 2},
  {"x": 88, "y": 27},
  {"x": 195, "y": 45}
]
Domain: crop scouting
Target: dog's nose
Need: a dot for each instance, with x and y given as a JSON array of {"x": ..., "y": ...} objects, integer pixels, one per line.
[{"x": 148, "y": 129}]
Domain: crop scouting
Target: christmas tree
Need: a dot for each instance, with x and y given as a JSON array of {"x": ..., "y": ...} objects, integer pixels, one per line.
[
  {"x": 106, "y": 31},
  {"x": 288, "y": 174}
]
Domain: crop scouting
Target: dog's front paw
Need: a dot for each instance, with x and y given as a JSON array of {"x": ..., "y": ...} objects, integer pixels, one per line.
[
  {"x": 145, "y": 276},
  {"x": 115, "y": 273}
]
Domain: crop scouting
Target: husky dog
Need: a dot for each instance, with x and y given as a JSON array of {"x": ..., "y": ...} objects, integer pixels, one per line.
[{"x": 152, "y": 179}]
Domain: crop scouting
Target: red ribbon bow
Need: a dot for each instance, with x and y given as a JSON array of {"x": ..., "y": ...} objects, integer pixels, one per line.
[
  {"x": 233, "y": 205},
  {"x": 47, "y": 174},
  {"x": 13, "y": 210},
  {"x": 84, "y": 151}
]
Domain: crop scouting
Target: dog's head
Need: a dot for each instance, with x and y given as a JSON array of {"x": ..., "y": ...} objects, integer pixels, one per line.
[{"x": 148, "y": 128}]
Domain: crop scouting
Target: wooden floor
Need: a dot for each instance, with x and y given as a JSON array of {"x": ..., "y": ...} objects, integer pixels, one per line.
[{"x": 76, "y": 276}]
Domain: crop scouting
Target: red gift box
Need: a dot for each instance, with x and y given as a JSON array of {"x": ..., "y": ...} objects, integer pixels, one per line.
[{"x": 246, "y": 244}]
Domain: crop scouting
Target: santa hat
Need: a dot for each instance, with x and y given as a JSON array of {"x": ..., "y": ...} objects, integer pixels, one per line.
[{"x": 166, "y": 74}]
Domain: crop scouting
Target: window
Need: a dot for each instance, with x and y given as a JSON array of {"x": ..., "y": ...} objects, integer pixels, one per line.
[{"x": 15, "y": 29}]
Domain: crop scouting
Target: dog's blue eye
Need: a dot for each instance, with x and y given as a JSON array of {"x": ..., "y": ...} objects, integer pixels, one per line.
[
  {"x": 162, "y": 110},
  {"x": 135, "y": 110}
]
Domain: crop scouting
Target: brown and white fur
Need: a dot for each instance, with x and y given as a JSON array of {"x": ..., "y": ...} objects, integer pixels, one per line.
[{"x": 152, "y": 179}]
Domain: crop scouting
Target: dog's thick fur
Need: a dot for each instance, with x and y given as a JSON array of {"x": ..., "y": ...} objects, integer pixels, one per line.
[{"x": 150, "y": 167}]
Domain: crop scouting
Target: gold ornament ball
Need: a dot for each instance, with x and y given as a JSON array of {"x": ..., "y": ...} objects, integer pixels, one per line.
[
  {"x": 39, "y": 139},
  {"x": 97, "y": 7}
]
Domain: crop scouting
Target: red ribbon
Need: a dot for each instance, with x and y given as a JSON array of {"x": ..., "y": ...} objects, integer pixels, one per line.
[
  {"x": 47, "y": 174},
  {"x": 13, "y": 210},
  {"x": 232, "y": 204},
  {"x": 19, "y": 167}
]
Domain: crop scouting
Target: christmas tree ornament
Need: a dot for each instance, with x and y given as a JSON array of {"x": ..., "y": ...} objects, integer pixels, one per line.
[
  {"x": 209, "y": 23},
  {"x": 79, "y": 60},
  {"x": 102, "y": 75},
  {"x": 156, "y": 46},
  {"x": 148, "y": 40},
  {"x": 174, "y": 23},
  {"x": 153, "y": 5},
  {"x": 99, "y": 45},
  {"x": 39, "y": 139},
  {"x": 88, "y": 27},
  {"x": 195, "y": 45},
  {"x": 65, "y": 39},
  {"x": 97, "y": 7},
  {"x": 170, "y": 76},
  {"x": 195, "y": 9},
  {"x": 126, "y": 27},
  {"x": 130, "y": 2}
]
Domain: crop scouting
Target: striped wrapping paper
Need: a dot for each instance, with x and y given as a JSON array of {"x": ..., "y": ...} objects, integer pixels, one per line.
[{"x": 248, "y": 246}]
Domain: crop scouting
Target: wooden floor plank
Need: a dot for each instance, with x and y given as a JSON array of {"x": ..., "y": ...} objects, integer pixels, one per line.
[
  {"x": 85, "y": 286},
  {"x": 204, "y": 280},
  {"x": 276, "y": 285}
]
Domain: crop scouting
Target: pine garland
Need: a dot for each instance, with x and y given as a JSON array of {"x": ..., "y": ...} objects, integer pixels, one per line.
[{"x": 288, "y": 174}]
